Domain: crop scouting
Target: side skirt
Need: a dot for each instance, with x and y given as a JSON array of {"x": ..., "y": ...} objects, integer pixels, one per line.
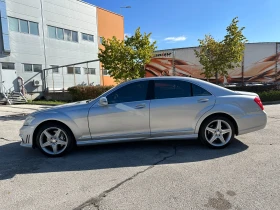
[{"x": 108, "y": 141}]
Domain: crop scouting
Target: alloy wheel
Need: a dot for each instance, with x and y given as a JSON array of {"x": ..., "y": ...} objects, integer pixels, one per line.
[
  {"x": 218, "y": 133},
  {"x": 53, "y": 141}
]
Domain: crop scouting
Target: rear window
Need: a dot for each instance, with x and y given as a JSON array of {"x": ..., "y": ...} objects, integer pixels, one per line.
[{"x": 198, "y": 91}]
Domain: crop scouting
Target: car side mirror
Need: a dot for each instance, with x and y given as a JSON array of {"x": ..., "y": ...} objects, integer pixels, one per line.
[{"x": 103, "y": 101}]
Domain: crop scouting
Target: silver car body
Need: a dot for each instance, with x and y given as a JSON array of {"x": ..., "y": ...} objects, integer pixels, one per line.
[{"x": 171, "y": 118}]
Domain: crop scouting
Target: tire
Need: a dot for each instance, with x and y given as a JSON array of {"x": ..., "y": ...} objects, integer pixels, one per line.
[
  {"x": 54, "y": 144},
  {"x": 216, "y": 132}
]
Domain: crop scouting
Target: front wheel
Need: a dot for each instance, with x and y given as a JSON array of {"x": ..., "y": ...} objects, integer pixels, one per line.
[
  {"x": 217, "y": 132},
  {"x": 54, "y": 139}
]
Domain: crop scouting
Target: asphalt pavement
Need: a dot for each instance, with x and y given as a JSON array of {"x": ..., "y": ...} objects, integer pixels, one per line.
[{"x": 160, "y": 175}]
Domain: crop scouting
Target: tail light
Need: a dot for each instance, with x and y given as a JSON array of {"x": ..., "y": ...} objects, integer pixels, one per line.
[{"x": 259, "y": 102}]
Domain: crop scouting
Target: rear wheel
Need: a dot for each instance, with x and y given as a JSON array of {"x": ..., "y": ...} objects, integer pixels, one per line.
[
  {"x": 217, "y": 132},
  {"x": 54, "y": 139}
]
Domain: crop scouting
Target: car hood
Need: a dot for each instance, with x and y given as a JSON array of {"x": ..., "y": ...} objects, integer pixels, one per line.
[
  {"x": 246, "y": 93},
  {"x": 64, "y": 106}
]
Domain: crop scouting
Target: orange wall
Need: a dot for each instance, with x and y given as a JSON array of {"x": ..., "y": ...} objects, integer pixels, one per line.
[{"x": 109, "y": 25}]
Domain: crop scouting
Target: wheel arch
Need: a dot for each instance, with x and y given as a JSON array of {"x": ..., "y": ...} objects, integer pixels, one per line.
[
  {"x": 223, "y": 115},
  {"x": 34, "y": 145}
]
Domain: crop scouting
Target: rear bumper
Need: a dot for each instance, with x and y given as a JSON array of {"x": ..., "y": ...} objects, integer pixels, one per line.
[
  {"x": 26, "y": 135},
  {"x": 252, "y": 122}
]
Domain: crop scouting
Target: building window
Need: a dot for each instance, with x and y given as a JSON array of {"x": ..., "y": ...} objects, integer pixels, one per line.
[
  {"x": 55, "y": 69},
  {"x": 101, "y": 40},
  {"x": 70, "y": 70},
  {"x": 105, "y": 72},
  {"x": 34, "y": 28},
  {"x": 67, "y": 35},
  {"x": 8, "y": 66},
  {"x": 23, "y": 26},
  {"x": 13, "y": 24},
  {"x": 88, "y": 37},
  {"x": 52, "y": 32},
  {"x": 27, "y": 67},
  {"x": 89, "y": 70},
  {"x": 32, "y": 67},
  {"x": 62, "y": 34},
  {"x": 77, "y": 70},
  {"x": 37, "y": 67},
  {"x": 74, "y": 36}
]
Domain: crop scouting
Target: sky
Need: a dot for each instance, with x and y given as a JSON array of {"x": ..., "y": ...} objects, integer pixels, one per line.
[{"x": 180, "y": 23}]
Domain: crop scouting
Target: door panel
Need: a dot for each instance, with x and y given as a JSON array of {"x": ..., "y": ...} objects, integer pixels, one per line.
[
  {"x": 177, "y": 106},
  {"x": 177, "y": 116},
  {"x": 126, "y": 116},
  {"x": 122, "y": 120}
]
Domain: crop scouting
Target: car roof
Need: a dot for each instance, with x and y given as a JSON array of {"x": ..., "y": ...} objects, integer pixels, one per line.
[{"x": 212, "y": 88}]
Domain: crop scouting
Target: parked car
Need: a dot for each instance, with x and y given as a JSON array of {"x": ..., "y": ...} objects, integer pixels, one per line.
[{"x": 147, "y": 109}]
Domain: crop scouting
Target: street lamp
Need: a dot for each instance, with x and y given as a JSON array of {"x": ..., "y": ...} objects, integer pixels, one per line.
[{"x": 126, "y": 7}]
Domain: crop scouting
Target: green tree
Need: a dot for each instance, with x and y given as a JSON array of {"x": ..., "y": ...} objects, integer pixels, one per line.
[
  {"x": 126, "y": 59},
  {"x": 217, "y": 57}
]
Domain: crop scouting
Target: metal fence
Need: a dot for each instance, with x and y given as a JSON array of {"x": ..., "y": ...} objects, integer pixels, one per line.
[{"x": 60, "y": 78}]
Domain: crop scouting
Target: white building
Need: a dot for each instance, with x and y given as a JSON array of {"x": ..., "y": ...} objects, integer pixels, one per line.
[{"x": 39, "y": 34}]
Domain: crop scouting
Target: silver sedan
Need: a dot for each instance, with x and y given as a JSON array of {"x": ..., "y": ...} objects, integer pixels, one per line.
[{"x": 147, "y": 109}]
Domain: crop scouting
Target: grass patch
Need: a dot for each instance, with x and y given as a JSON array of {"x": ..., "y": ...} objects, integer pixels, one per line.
[{"x": 53, "y": 103}]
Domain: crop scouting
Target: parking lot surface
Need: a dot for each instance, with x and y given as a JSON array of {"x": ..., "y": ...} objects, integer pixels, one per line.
[{"x": 144, "y": 175}]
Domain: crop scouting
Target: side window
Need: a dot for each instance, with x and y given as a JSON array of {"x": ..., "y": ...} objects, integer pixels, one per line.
[
  {"x": 172, "y": 89},
  {"x": 198, "y": 91},
  {"x": 132, "y": 92}
]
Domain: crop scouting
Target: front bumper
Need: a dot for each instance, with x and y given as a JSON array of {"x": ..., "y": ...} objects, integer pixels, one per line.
[{"x": 26, "y": 135}]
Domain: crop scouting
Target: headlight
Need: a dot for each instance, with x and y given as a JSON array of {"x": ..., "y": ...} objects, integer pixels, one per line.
[{"x": 28, "y": 120}]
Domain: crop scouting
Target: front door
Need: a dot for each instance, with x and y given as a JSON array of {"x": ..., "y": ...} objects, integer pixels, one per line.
[
  {"x": 125, "y": 117},
  {"x": 176, "y": 107},
  {"x": 8, "y": 77}
]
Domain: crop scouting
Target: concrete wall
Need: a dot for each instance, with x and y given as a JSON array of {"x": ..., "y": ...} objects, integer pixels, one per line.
[{"x": 109, "y": 25}]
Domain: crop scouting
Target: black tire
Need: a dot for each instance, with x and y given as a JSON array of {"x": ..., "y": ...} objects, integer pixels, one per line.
[
  {"x": 69, "y": 138},
  {"x": 218, "y": 143}
]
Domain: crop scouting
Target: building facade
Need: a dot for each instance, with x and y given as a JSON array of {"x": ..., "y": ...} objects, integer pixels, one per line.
[
  {"x": 43, "y": 34},
  {"x": 261, "y": 64}
]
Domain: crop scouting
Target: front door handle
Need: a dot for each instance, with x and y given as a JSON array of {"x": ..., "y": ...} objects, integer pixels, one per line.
[
  {"x": 203, "y": 100},
  {"x": 140, "y": 106}
]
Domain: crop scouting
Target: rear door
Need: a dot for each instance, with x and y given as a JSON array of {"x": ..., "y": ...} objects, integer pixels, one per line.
[{"x": 176, "y": 107}]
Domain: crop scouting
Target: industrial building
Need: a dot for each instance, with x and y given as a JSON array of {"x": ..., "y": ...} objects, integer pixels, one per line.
[{"x": 43, "y": 34}]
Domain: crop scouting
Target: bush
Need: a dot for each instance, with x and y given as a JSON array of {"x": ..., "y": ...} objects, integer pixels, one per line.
[
  {"x": 272, "y": 95},
  {"x": 80, "y": 93},
  {"x": 255, "y": 89}
]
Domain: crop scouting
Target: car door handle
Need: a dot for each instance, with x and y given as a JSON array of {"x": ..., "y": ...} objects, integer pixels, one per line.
[
  {"x": 140, "y": 106},
  {"x": 203, "y": 100}
]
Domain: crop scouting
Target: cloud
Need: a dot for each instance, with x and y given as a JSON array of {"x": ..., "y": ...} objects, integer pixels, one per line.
[
  {"x": 175, "y": 39},
  {"x": 127, "y": 35},
  {"x": 152, "y": 40}
]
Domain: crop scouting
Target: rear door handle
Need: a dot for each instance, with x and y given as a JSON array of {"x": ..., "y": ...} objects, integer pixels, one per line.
[
  {"x": 140, "y": 106},
  {"x": 203, "y": 100}
]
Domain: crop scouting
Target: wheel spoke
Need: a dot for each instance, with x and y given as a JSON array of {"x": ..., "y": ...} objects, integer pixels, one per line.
[
  {"x": 47, "y": 134},
  {"x": 213, "y": 139},
  {"x": 61, "y": 142},
  {"x": 54, "y": 147},
  {"x": 219, "y": 125},
  {"x": 222, "y": 139},
  {"x": 211, "y": 130},
  {"x": 57, "y": 133},
  {"x": 46, "y": 144},
  {"x": 226, "y": 131}
]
